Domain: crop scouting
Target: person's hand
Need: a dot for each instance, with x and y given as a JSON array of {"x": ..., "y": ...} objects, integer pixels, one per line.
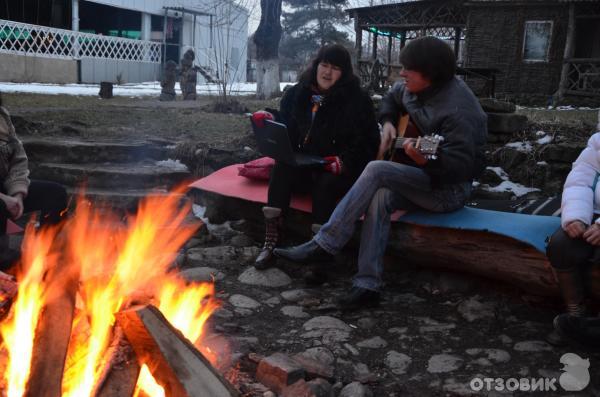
[
  {"x": 592, "y": 234},
  {"x": 19, "y": 204},
  {"x": 334, "y": 165},
  {"x": 258, "y": 118},
  {"x": 14, "y": 205},
  {"x": 575, "y": 229},
  {"x": 388, "y": 134},
  {"x": 411, "y": 151}
]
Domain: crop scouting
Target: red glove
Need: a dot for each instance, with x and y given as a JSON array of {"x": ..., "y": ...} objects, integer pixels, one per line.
[
  {"x": 334, "y": 165},
  {"x": 258, "y": 118}
]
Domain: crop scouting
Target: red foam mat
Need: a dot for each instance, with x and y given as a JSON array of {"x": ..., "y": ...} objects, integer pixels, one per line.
[{"x": 227, "y": 182}]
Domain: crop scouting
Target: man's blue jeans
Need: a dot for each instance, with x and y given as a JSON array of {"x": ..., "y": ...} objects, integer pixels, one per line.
[{"x": 382, "y": 188}]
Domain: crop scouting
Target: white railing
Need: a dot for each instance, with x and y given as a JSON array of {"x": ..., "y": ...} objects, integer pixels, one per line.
[{"x": 25, "y": 39}]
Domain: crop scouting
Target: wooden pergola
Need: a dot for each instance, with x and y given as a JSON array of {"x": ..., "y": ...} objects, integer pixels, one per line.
[{"x": 404, "y": 21}]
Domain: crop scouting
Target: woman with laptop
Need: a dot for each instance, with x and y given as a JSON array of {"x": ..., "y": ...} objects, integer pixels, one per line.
[{"x": 327, "y": 114}]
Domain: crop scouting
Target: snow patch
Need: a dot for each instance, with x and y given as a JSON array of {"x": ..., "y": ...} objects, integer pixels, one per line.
[
  {"x": 524, "y": 147},
  {"x": 172, "y": 164},
  {"x": 128, "y": 90}
]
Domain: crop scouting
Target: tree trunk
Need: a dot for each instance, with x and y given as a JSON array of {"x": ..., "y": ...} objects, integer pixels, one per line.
[
  {"x": 267, "y": 38},
  {"x": 267, "y": 78}
]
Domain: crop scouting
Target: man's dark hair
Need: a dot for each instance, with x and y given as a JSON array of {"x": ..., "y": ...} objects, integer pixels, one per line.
[
  {"x": 0, "y": 99},
  {"x": 430, "y": 56},
  {"x": 335, "y": 54}
]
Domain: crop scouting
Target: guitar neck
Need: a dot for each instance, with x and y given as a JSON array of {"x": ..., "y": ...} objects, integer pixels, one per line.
[{"x": 399, "y": 142}]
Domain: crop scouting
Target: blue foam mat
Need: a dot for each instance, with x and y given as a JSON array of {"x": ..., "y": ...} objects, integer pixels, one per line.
[{"x": 534, "y": 230}]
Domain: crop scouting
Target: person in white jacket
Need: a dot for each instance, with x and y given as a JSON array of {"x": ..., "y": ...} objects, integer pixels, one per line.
[{"x": 575, "y": 246}]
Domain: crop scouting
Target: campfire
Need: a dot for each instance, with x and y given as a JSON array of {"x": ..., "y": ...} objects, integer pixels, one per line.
[{"x": 100, "y": 311}]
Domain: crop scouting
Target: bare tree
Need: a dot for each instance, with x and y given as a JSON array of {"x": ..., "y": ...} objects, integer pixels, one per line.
[{"x": 267, "y": 39}]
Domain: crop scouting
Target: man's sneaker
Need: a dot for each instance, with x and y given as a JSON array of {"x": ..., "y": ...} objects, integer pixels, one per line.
[
  {"x": 309, "y": 252},
  {"x": 359, "y": 298}
]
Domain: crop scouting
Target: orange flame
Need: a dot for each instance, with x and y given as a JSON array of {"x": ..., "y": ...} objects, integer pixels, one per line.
[{"x": 118, "y": 263}]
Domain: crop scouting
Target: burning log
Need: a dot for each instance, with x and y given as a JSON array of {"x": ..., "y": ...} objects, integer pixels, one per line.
[
  {"x": 121, "y": 370},
  {"x": 53, "y": 333},
  {"x": 175, "y": 363}
]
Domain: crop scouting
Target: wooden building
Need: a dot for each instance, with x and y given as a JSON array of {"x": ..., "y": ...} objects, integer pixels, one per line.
[{"x": 513, "y": 49}]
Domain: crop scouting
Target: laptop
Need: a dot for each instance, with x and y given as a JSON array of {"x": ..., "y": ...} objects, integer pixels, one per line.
[{"x": 273, "y": 141}]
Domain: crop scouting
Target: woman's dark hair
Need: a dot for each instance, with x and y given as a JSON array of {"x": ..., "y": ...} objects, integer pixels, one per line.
[
  {"x": 335, "y": 54},
  {"x": 430, "y": 56}
]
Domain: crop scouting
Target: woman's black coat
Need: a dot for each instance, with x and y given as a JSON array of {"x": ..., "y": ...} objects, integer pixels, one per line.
[{"x": 345, "y": 124}]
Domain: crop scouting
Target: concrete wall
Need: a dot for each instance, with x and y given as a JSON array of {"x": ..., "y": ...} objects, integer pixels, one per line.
[
  {"x": 25, "y": 69},
  {"x": 98, "y": 70}
]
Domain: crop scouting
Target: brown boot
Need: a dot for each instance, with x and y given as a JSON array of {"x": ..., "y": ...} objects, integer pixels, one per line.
[
  {"x": 571, "y": 287},
  {"x": 572, "y": 290},
  {"x": 273, "y": 222}
]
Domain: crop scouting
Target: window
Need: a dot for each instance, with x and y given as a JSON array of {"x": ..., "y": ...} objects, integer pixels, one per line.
[{"x": 536, "y": 42}]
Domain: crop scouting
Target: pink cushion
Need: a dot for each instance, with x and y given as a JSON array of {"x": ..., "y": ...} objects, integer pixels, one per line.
[{"x": 259, "y": 169}]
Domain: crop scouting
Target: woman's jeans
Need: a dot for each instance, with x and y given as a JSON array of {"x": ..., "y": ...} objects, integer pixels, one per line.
[
  {"x": 47, "y": 197},
  {"x": 382, "y": 188}
]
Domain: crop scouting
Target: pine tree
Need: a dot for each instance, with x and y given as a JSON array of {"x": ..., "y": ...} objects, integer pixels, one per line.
[{"x": 308, "y": 26}]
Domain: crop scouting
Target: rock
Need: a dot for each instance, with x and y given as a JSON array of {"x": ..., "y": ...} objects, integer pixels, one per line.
[
  {"x": 506, "y": 123},
  {"x": 294, "y": 311},
  {"x": 489, "y": 177},
  {"x": 219, "y": 255},
  {"x": 397, "y": 362},
  {"x": 532, "y": 346},
  {"x": 355, "y": 389},
  {"x": 373, "y": 343},
  {"x": 496, "y": 355},
  {"x": 273, "y": 301},
  {"x": 351, "y": 349},
  {"x": 496, "y": 106},
  {"x": 314, "y": 368},
  {"x": 398, "y": 330},
  {"x": 241, "y": 241},
  {"x": 472, "y": 309},
  {"x": 278, "y": 371},
  {"x": 320, "y": 354},
  {"x": 437, "y": 328},
  {"x": 407, "y": 299},
  {"x": 244, "y": 302},
  {"x": 272, "y": 277},
  {"x": 442, "y": 363},
  {"x": 367, "y": 323},
  {"x": 330, "y": 329},
  {"x": 313, "y": 388},
  {"x": 454, "y": 388},
  {"x": 564, "y": 152},
  {"x": 269, "y": 394},
  {"x": 326, "y": 322},
  {"x": 296, "y": 295},
  {"x": 363, "y": 374},
  {"x": 505, "y": 339},
  {"x": 202, "y": 274}
]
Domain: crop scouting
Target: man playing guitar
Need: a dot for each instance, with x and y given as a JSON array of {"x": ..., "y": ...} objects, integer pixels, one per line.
[{"x": 438, "y": 103}]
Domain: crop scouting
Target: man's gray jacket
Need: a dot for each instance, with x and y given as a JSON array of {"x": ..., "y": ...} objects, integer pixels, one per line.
[{"x": 452, "y": 111}]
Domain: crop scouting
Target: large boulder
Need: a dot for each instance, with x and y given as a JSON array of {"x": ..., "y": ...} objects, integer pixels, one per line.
[
  {"x": 506, "y": 123},
  {"x": 495, "y": 106}
]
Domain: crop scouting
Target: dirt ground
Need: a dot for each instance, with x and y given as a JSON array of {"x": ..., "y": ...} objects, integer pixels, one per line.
[{"x": 123, "y": 118}]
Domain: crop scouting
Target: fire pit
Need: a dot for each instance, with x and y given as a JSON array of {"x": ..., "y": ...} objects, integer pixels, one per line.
[{"x": 99, "y": 312}]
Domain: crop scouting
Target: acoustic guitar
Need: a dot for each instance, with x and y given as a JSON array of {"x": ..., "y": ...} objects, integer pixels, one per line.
[{"x": 406, "y": 129}]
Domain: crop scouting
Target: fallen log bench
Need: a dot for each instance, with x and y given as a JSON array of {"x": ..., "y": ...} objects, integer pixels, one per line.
[{"x": 499, "y": 245}]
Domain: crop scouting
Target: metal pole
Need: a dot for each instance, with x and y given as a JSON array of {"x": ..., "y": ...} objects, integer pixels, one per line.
[
  {"x": 164, "y": 58},
  {"x": 75, "y": 15},
  {"x": 194, "y": 34}
]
